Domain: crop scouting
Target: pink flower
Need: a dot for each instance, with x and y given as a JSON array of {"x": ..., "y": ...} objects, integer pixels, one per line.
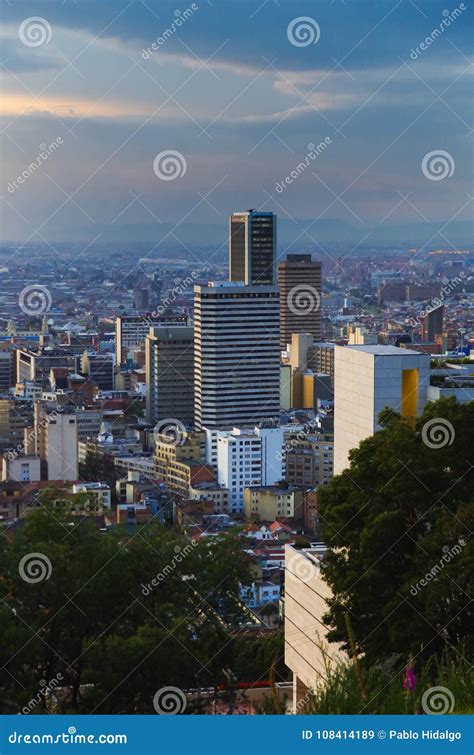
[{"x": 409, "y": 679}]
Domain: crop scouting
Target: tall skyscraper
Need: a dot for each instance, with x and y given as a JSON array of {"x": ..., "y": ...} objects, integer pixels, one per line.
[
  {"x": 368, "y": 379},
  {"x": 252, "y": 247},
  {"x": 299, "y": 279},
  {"x": 432, "y": 324},
  {"x": 237, "y": 355},
  {"x": 169, "y": 364}
]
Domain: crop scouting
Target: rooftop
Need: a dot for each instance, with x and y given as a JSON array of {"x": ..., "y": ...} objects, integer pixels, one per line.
[{"x": 382, "y": 351}]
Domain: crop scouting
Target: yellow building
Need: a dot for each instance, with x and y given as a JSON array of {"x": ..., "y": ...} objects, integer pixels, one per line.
[{"x": 267, "y": 503}]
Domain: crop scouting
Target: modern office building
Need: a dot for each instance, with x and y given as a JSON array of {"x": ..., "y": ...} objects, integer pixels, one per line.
[
  {"x": 236, "y": 354},
  {"x": 131, "y": 331},
  {"x": 99, "y": 369},
  {"x": 432, "y": 324},
  {"x": 6, "y": 369},
  {"x": 169, "y": 366},
  {"x": 252, "y": 247},
  {"x": 299, "y": 279},
  {"x": 368, "y": 379}
]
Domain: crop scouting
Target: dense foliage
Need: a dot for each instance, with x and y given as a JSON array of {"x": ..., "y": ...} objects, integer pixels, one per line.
[
  {"x": 112, "y": 635},
  {"x": 399, "y": 524}
]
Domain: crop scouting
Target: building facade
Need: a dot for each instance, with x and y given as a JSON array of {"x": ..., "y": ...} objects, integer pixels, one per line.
[
  {"x": 236, "y": 355},
  {"x": 368, "y": 379},
  {"x": 169, "y": 366},
  {"x": 299, "y": 279},
  {"x": 252, "y": 247}
]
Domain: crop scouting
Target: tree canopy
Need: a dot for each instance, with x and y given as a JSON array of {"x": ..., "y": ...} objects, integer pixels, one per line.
[
  {"x": 117, "y": 615},
  {"x": 398, "y": 524}
]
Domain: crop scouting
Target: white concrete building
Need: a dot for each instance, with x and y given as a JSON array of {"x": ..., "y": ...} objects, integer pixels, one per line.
[
  {"x": 98, "y": 493},
  {"x": 307, "y": 652},
  {"x": 61, "y": 446},
  {"x": 21, "y": 468},
  {"x": 244, "y": 458},
  {"x": 366, "y": 380}
]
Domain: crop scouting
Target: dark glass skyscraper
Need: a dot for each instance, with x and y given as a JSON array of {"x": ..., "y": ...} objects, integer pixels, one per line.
[{"x": 252, "y": 247}]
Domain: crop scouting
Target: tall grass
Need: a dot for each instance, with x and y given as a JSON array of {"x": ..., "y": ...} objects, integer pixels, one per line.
[{"x": 382, "y": 692}]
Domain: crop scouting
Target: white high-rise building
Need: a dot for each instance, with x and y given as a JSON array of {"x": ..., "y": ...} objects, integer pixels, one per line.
[
  {"x": 236, "y": 354},
  {"x": 366, "y": 380},
  {"x": 244, "y": 458}
]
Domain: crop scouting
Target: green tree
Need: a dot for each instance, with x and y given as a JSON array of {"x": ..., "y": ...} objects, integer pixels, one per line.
[
  {"x": 118, "y": 616},
  {"x": 402, "y": 511}
]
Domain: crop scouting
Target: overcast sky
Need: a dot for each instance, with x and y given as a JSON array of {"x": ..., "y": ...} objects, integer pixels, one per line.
[{"x": 239, "y": 89}]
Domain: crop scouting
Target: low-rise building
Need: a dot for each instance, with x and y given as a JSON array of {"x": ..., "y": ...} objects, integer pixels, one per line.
[{"x": 267, "y": 503}]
